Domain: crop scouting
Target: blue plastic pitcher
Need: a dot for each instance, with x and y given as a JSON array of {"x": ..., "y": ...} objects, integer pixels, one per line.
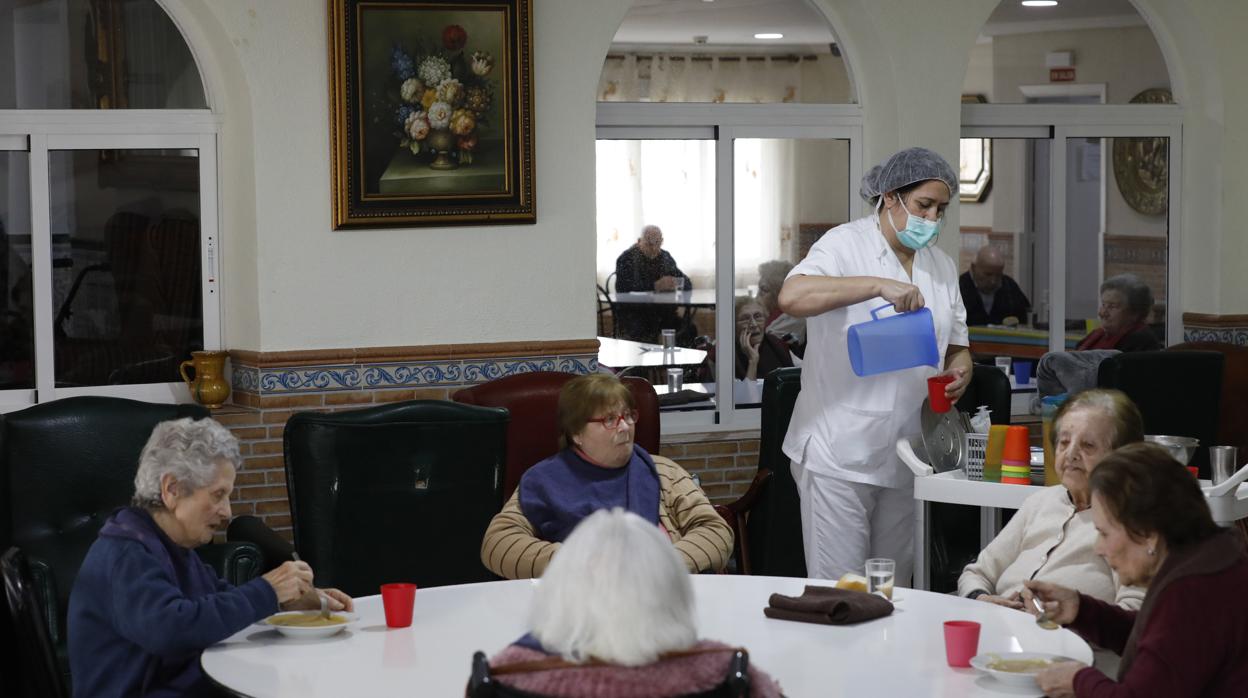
[{"x": 900, "y": 341}]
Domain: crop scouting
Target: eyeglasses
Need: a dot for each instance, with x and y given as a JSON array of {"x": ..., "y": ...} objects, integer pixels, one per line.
[{"x": 612, "y": 421}]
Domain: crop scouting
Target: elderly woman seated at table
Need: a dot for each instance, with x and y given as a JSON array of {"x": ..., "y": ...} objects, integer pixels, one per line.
[
  {"x": 1155, "y": 530},
  {"x": 1126, "y": 303},
  {"x": 144, "y": 606},
  {"x": 600, "y": 467},
  {"x": 1051, "y": 537},
  {"x": 614, "y": 616}
]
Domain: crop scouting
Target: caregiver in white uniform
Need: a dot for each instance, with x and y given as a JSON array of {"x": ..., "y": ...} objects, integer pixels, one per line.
[{"x": 857, "y": 497}]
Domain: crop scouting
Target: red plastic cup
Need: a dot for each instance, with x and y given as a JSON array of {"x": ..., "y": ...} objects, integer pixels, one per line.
[
  {"x": 398, "y": 599},
  {"x": 936, "y": 393},
  {"x": 1195, "y": 471},
  {"x": 961, "y": 642}
]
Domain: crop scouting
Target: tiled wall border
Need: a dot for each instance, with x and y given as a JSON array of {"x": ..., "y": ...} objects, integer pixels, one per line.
[
  {"x": 1231, "y": 329},
  {"x": 438, "y": 366}
]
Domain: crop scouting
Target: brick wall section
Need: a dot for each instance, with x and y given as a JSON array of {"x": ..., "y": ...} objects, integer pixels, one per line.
[{"x": 725, "y": 463}]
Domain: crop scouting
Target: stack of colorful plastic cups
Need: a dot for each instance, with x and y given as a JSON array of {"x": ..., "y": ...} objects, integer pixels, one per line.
[{"x": 1016, "y": 457}]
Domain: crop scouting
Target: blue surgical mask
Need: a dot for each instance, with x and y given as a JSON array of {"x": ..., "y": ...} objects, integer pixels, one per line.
[{"x": 919, "y": 232}]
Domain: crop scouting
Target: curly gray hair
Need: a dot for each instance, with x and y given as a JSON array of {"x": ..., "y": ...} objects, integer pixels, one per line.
[{"x": 188, "y": 449}]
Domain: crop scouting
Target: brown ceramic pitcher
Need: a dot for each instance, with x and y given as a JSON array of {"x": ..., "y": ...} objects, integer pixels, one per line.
[{"x": 209, "y": 387}]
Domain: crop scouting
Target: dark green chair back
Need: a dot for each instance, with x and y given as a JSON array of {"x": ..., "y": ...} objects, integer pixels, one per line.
[
  {"x": 774, "y": 527},
  {"x": 395, "y": 493},
  {"x": 1178, "y": 393},
  {"x": 989, "y": 386},
  {"x": 65, "y": 466}
]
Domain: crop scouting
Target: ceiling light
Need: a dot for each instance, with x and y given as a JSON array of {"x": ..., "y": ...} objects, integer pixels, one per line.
[
  {"x": 1039, "y": 3},
  {"x": 769, "y": 35}
]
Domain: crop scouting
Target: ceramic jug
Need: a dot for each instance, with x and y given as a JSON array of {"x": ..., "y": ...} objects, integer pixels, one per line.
[{"x": 209, "y": 387}]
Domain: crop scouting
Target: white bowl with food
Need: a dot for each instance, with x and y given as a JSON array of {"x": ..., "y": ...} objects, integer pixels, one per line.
[
  {"x": 309, "y": 624},
  {"x": 1016, "y": 668}
]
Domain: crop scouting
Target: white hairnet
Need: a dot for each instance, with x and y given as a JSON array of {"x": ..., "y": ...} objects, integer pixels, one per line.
[{"x": 907, "y": 167}]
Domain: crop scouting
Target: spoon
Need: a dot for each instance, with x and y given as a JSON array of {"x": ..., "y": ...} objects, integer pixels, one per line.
[
  {"x": 1043, "y": 619},
  {"x": 324, "y": 599}
]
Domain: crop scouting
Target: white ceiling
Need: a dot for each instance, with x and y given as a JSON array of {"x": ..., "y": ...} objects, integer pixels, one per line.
[{"x": 731, "y": 24}]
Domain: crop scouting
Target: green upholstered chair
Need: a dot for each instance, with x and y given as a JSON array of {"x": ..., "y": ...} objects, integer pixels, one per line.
[{"x": 395, "y": 493}]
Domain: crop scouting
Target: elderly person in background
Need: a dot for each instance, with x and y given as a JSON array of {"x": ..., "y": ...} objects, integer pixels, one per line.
[
  {"x": 1154, "y": 529},
  {"x": 792, "y": 330},
  {"x": 990, "y": 295},
  {"x": 1126, "y": 303},
  {"x": 646, "y": 266},
  {"x": 1051, "y": 537},
  {"x": 144, "y": 606},
  {"x": 614, "y": 616},
  {"x": 758, "y": 352},
  {"x": 600, "y": 467}
]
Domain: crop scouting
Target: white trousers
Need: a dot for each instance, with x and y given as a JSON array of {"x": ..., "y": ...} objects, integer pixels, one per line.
[{"x": 844, "y": 523}]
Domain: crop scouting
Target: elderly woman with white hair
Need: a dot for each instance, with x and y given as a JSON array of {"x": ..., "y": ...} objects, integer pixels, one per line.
[
  {"x": 144, "y": 606},
  {"x": 614, "y": 616}
]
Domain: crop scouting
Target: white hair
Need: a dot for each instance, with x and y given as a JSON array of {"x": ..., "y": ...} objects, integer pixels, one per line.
[
  {"x": 616, "y": 591},
  {"x": 190, "y": 450}
]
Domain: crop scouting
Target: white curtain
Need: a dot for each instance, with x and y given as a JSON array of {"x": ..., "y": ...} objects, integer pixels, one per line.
[
  {"x": 764, "y": 202},
  {"x": 669, "y": 78}
]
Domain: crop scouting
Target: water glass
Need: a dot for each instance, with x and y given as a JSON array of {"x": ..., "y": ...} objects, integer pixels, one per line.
[
  {"x": 1222, "y": 463},
  {"x": 880, "y": 575},
  {"x": 1003, "y": 363},
  {"x": 675, "y": 380},
  {"x": 678, "y": 283},
  {"x": 669, "y": 340}
]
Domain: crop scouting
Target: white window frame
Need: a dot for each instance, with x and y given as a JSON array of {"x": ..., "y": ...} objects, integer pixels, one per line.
[
  {"x": 40, "y": 131},
  {"x": 723, "y": 124},
  {"x": 1060, "y": 123}
]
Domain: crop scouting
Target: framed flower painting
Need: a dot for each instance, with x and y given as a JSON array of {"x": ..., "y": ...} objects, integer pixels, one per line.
[{"x": 431, "y": 113}]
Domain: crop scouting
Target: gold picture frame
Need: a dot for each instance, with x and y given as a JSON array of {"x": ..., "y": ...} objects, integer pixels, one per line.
[{"x": 431, "y": 113}]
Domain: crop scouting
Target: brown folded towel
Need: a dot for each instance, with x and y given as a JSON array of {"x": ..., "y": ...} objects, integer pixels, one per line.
[{"x": 828, "y": 605}]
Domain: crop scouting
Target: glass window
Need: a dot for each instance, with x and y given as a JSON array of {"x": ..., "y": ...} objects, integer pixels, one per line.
[
  {"x": 786, "y": 194},
  {"x": 94, "y": 54},
  {"x": 656, "y": 258},
  {"x": 17, "y": 318},
  {"x": 126, "y": 276}
]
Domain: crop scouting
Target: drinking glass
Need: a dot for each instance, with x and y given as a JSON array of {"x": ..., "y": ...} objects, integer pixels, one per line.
[
  {"x": 669, "y": 339},
  {"x": 678, "y": 283},
  {"x": 880, "y": 574},
  {"x": 675, "y": 380}
]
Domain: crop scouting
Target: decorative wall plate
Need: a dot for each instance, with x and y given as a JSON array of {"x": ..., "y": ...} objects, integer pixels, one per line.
[{"x": 1142, "y": 165}]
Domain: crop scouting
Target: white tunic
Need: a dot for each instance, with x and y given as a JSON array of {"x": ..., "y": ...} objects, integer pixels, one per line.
[{"x": 845, "y": 426}]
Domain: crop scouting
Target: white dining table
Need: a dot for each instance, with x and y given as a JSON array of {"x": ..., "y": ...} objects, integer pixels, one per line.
[
  {"x": 623, "y": 353},
  {"x": 900, "y": 655}
]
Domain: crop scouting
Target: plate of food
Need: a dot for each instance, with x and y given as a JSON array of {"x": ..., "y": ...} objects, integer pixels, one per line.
[
  {"x": 309, "y": 624},
  {"x": 1016, "y": 668}
]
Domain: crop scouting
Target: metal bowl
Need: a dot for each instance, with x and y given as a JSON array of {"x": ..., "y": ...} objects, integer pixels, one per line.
[{"x": 1180, "y": 447}]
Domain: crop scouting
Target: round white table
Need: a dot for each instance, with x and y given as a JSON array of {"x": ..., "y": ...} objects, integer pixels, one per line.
[{"x": 901, "y": 655}]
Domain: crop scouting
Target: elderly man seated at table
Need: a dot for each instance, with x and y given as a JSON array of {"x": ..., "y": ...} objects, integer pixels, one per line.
[
  {"x": 991, "y": 297},
  {"x": 1155, "y": 530},
  {"x": 1052, "y": 536},
  {"x": 614, "y": 616},
  {"x": 144, "y": 606},
  {"x": 600, "y": 467},
  {"x": 646, "y": 266},
  {"x": 1126, "y": 303}
]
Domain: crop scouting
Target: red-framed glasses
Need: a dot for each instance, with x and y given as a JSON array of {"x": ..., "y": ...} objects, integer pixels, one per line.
[{"x": 612, "y": 421}]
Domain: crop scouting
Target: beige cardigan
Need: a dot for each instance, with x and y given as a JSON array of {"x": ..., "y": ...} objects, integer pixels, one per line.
[
  {"x": 512, "y": 550},
  {"x": 1049, "y": 541}
]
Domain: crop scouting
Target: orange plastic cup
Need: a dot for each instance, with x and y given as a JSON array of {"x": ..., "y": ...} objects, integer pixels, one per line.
[
  {"x": 1017, "y": 447},
  {"x": 398, "y": 600},
  {"x": 936, "y": 393}
]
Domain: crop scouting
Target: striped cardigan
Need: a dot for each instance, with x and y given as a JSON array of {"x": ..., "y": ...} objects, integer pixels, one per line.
[{"x": 512, "y": 549}]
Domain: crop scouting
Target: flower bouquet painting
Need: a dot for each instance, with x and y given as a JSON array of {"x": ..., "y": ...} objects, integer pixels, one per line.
[{"x": 432, "y": 113}]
